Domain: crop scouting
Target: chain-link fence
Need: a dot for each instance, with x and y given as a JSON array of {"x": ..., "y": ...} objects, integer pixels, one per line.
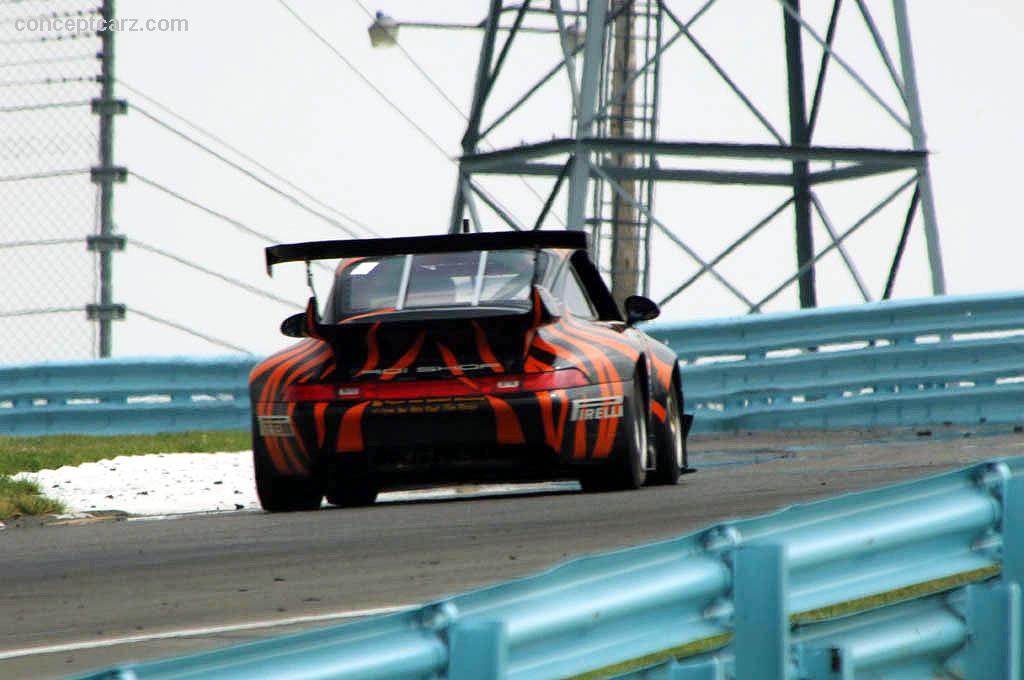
[{"x": 48, "y": 142}]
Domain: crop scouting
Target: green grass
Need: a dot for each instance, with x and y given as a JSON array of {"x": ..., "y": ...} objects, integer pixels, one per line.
[
  {"x": 31, "y": 454},
  {"x": 911, "y": 592},
  {"x": 24, "y": 498}
]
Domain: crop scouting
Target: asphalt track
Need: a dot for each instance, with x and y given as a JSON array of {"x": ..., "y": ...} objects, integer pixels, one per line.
[{"x": 93, "y": 594}]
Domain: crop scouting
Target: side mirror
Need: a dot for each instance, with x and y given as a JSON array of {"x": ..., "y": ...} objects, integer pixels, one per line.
[
  {"x": 295, "y": 326},
  {"x": 303, "y": 324},
  {"x": 639, "y": 308}
]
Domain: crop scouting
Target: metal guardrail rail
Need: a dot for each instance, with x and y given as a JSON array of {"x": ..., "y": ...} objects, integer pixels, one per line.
[
  {"x": 906, "y": 362},
  {"x": 918, "y": 580},
  {"x": 902, "y": 362},
  {"x": 120, "y": 396}
]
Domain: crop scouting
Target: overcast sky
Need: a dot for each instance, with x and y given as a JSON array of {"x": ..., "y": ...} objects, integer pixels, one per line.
[{"x": 261, "y": 81}]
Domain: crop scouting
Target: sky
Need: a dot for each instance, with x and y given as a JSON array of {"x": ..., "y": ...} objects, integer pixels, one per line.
[{"x": 260, "y": 81}]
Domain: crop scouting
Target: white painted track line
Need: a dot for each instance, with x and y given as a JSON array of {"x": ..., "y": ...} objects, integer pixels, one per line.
[{"x": 197, "y": 632}]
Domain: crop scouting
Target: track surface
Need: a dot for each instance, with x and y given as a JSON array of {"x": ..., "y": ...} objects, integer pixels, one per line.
[{"x": 106, "y": 580}]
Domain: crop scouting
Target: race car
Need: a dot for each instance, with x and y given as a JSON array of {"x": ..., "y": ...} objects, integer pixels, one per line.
[{"x": 462, "y": 358}]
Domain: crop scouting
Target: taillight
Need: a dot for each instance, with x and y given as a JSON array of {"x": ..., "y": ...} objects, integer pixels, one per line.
[
  {"x": 311, "y": 393},
  {"x": 553, "y": 380},
  {"x": 448, "y": 387}
]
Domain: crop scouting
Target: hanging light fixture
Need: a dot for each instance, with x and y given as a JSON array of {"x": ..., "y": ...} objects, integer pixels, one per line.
[{"x": 383, "y": 31}]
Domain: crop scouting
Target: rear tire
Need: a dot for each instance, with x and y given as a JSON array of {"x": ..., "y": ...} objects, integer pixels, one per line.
[
  {"x": 625, "y": 470},
  {"x": 350, "y": 481},
  {"x": 671, "y": 443},
  {"x": 278, "y": 493}
]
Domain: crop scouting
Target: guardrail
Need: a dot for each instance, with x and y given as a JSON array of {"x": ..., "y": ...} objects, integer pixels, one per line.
[
  {"x": 906, "y": 362},
  {"x": 918, "y": 580},
  {"x": 119, "y": 396}
]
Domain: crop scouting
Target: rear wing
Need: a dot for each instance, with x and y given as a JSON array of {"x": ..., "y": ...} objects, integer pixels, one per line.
[{"x": 415, "y": 245}]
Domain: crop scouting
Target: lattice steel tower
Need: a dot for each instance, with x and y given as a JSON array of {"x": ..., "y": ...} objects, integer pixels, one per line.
[{"x": 614, "y": 157}]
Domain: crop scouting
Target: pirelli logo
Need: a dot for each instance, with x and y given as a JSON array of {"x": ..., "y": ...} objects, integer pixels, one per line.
[
  {"x": 275, "y": 426},
  {"x": 598, "y": 408}
]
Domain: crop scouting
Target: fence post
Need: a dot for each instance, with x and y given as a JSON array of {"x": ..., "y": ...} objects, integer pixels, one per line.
[
  {"x": 106, "y": 174},
  {"x": 762, "y": 623},
  {"x": 477, "y": 650}
]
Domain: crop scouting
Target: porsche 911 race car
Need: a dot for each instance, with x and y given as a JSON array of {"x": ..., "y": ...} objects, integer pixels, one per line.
[{"x": 458, "y": 358}]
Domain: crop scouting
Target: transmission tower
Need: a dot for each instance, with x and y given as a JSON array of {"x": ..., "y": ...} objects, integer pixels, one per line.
[{"x": 613, "y": 157}]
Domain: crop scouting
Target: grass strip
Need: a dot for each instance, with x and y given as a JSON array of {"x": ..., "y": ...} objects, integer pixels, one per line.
[
  {"x": 24, "y": 498},
  {"x": 680, "y": 652},
  {"x": 31, "y": 454},
  {"x": 911, "y": 592}
]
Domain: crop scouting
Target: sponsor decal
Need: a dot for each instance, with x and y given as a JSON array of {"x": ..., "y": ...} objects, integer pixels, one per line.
[
  {"x": 463, "y": 368},
  {"x": 275, "y": 426},
  {"x": 427, "y": 370},
  {"x": 427, "y": 405},
  {"x": 384, "y": 371},
  {"x": 598, "y": 408}
]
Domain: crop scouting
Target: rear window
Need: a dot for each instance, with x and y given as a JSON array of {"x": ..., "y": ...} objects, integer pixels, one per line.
[{"x": 433, "y": 280}]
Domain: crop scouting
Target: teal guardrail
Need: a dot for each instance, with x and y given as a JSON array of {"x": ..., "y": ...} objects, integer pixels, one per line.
[
  {"x": 120, "y": 396},
  {"x": 906, "y": 362},
  {"x": 917, "y": 580}
]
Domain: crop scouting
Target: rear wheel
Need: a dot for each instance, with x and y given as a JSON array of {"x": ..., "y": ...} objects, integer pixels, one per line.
[
  {"x": 671, "y": 458},
  {"x": 350, "y": 481},
  {"x": 625, "y": 470},
  {"x": 278, "y": 493}
]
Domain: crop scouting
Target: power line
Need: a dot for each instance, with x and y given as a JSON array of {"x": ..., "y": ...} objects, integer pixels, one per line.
[
  {"x": 210, "y": 272},
  {"x": 67, "y": 14},
  {"x": 455, "y": 107},
  {"x": 210, "y": 211},
  {"x": 45, "y": 310},
  {"x": 55, "y": 38},
  {"x": 369, "y": 83},
  {"x": 256, "y": 178},
  {"x": 37, "y": 107},
  {"x": 244, "y": 228},
  {"x": 44, "y": 242},
  {"x": 50, "y": 81},
  {"x": 444, "y": 95},
  {"x": 44, "y": 175},
  {"x": 21, "y": 2},
  {"x": 186, "y": 329},
  {"x": 47, "y": 60},
  {"x": 247, "y": 157}
]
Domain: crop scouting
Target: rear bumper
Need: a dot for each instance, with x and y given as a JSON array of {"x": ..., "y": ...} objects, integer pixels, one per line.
[{"x": 553, "y": 429}]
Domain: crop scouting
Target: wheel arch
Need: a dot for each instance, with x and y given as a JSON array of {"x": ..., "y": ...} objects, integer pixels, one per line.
[
  {"x": 643, "y": 369},
  {"x": 677, "y": 384}
]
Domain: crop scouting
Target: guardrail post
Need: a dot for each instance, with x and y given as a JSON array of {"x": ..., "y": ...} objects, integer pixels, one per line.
[
  {"x": 477, "y": 650},
  {"x": 1013, "y": 531},
  {"x": 994, "y": 625},
  {"x": 1013, "y": 548},
  {"x": 762, "y": 623}
]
